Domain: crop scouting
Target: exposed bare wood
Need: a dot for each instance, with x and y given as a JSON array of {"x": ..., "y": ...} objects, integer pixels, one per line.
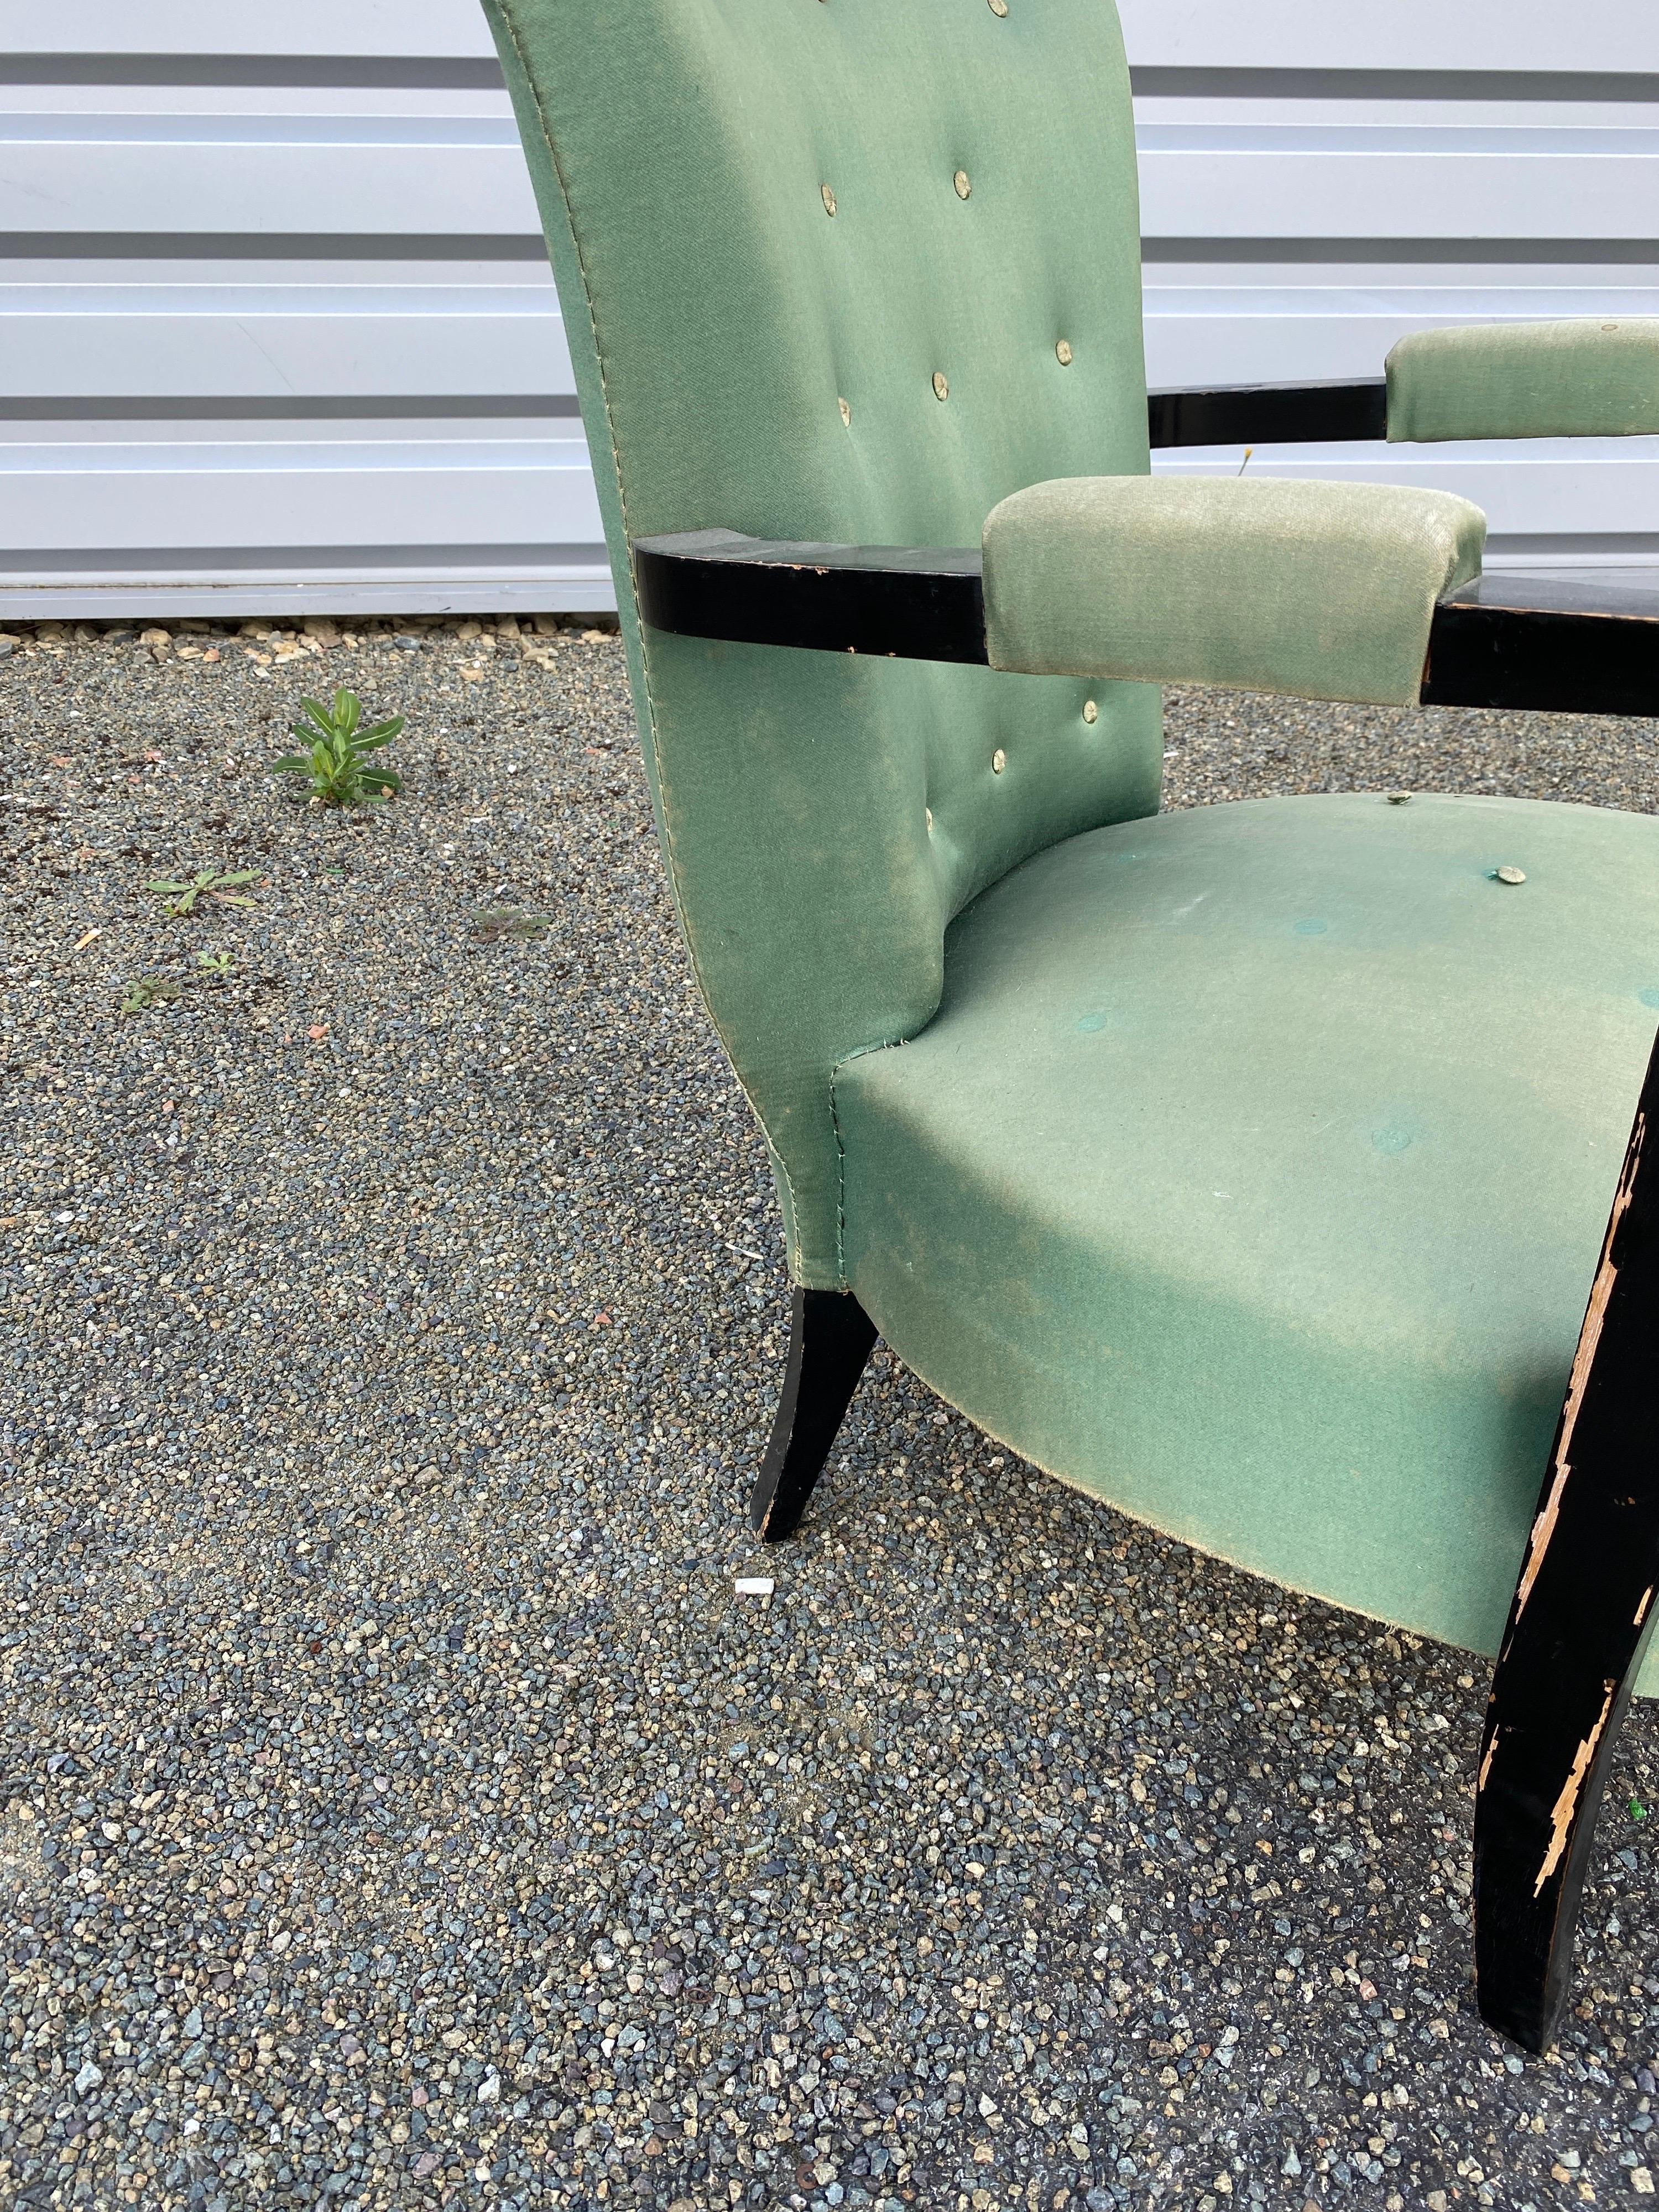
[
  {"x": 1582, "y": 1618},
  {"x": 1583, "y": 1359},
  {"x": 1567, "y": 1803}
]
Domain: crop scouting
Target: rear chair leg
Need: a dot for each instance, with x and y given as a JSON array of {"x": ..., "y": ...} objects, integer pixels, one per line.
[
  {"x": 1582, "y": 1614},
  {"x": 830, "y": 1342}
]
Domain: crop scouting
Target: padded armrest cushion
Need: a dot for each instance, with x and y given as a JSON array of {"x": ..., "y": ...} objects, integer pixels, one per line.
[
  {"x": 1322, "y": 591},
  {"x": 1582, "y": 377}
]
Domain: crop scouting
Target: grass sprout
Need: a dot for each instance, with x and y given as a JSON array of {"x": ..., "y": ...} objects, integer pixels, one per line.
[
  {"x": 181, "y": 898},
  {"x": 492, "y": 923},
  {"x": 337, "y": 748},
  {"x": 149, "y": 991}
]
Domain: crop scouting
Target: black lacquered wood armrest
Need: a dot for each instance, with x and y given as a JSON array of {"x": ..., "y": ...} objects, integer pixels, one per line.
[
  {"x": 1543, "y": 643},
  {"x": 1269, "y": 414},
  {"x": 898, "y": 602}
]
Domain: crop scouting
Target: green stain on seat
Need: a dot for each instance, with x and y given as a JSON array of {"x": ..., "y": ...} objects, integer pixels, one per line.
[
  {"x": 1311, "y": 928},
  {"x": 1395, "y": 1137},
  {"x": 1650, "y": 996},
  {"x": 1092, "y": 1023}
]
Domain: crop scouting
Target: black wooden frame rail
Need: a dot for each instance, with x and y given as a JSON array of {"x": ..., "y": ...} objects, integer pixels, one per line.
[
  {"x": 1548, "y": 643},
  {"x": 1269, "y": 414}
]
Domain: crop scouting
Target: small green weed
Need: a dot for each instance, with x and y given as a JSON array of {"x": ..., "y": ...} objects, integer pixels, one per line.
[
  {"x": 494, "y": 923},
  {"x": 149, "y": 991},
  {"x": 216, "y": 964},
  {"x": 1638, "y": 1811},
  {"x": 180, "y": 898},
  {"x": 337, "y": 753}
]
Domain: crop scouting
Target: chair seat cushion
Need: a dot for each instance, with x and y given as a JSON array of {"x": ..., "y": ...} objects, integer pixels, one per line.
[{"x": 1253, "y": 1174}]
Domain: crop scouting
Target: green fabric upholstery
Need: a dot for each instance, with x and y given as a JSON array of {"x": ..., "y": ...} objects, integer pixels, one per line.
[
  {"x": 1247, "y": 1166},
  {"x": 1578, "y": 377},
  {"x": 1324, "y": 590},
  {"x": 719, "y": 315},
  {"x": 1254, "y": 1171}
]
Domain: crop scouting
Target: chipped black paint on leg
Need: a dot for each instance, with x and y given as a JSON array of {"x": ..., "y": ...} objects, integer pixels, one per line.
[
  {"x": 1582, "y": 1614},
  {"x": 830, "y": 1345}
]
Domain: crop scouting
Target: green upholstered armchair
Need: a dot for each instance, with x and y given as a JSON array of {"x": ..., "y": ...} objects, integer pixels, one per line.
[{"x": 1247, "y": 1166}]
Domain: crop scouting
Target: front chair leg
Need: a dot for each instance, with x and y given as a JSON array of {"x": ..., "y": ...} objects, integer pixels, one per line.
[
  {"x": 830, "y": 1341},
  {"x": 1582, "y": 1614}
]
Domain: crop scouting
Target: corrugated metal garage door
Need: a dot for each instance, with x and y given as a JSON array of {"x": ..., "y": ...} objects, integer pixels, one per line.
[
  {"x": 1316, "y": 180},
  {"x": 279, "y": 334}
]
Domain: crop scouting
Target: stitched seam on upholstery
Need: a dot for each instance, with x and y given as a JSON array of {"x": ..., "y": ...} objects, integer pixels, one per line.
[
  {"x": 645, "y": 655},
  {"x": 840, "y": 1183},
  {"x": 859, "y": 1051}
]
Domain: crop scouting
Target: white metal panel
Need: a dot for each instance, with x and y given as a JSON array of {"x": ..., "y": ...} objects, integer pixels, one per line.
[
  {"x": 230, "y": 234},
  {"x": 311, "y": 341},
  {"x": 213, "y": 491},
  {"x": 192, "y": 27},
  {"x": 277, "y": 320},
  {"x": 367, "y": 176},
  {"x": 1235, "y": 181},
  {"x": 1407, "y": 34},
  {"x": 215, "y": 99},
  {"x": 1487, "y": 36}
]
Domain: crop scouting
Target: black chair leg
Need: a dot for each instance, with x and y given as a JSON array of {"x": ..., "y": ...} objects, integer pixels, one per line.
[
  {"x": 830, "y": 1341},
  {"x": 1582, "y": 1614}
]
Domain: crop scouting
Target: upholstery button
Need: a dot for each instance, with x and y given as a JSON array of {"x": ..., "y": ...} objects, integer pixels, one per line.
[
  {"x": 1399, "y": 798},
  {"x": 999, "y": 7},
  {"x": 941, "y": 388},
  {"x": 1063, "y": 353},
  {"x": 928, "y": 812},
  {"x": 846, "y": 413},
  {"x": 1091, "y": 712},
  {"x": 829, "y": 199},
  {"x": 998, "y": 760},
  {"x": 961, "y": 181},
  {"x": 1509, "y": 875}
]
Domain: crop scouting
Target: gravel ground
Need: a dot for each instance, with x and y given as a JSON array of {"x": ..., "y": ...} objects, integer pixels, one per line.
[{"x": 399, "y": 1805}]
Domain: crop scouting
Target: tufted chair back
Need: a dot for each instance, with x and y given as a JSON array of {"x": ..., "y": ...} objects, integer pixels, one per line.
[{"x": 852, "y": 270}]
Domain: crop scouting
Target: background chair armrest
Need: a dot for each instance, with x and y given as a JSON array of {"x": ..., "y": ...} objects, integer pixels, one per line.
[
  {"x": 1321, "y": 590},
  {"x": 1576, "y": 378},
  {"x": 1513, "y": 641},
  {"x": 1573, "y": 377}
]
